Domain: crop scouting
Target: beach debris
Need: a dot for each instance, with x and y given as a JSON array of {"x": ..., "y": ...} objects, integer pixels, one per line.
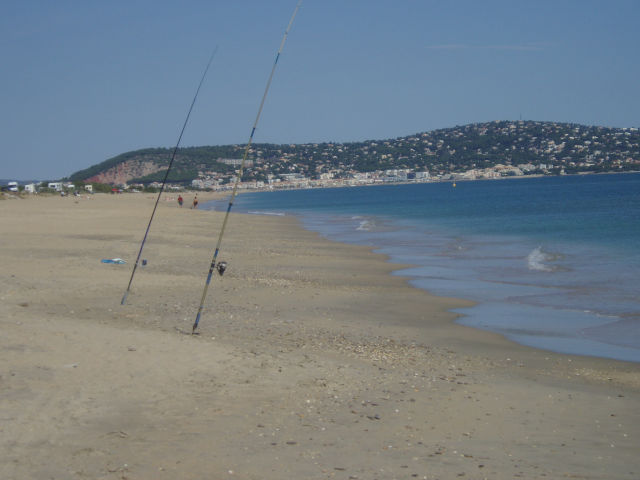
[
  {"x": 118, "y": 261},
  {"x": 123, "y": 468}
]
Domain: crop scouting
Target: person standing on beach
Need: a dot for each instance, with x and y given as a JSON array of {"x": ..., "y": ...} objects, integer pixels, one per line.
[
  {"x": 180, "y": 200},
  {"x": 195, "y": 202}
]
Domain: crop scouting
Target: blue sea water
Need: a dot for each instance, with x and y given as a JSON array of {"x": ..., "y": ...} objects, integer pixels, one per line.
[{"x": 552, "y": 262}]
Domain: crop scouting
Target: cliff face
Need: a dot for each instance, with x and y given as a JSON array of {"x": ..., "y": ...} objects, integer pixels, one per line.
[{"x": 125, "y": 171}]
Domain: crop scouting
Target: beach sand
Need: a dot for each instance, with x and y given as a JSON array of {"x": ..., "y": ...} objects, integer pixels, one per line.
[{"x": 312, "y": 361}]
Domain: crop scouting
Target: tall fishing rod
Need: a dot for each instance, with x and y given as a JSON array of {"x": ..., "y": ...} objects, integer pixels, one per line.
[
  {"x": 221, "y": 266},
  {"x": 166, "y": 175}
]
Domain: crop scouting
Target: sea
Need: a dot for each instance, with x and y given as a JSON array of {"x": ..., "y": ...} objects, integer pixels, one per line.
[{"x": 550, "y": 262}]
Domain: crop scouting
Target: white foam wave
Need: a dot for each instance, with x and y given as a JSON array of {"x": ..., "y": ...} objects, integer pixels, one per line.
[
  {"x": 277, "y": 214},
  {"x": 538, "y": 258},
  {"x": 365, "y": 225}
]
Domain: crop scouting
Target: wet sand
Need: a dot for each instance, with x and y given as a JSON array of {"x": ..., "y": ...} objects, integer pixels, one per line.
[{"x": 311, "y": 362}]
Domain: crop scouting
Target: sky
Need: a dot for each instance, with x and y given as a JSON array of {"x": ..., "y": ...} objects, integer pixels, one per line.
[{"x": 82, "y": 81}]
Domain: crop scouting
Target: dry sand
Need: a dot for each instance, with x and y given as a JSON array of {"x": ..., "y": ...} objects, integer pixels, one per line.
[{"x": 312, "y": 361}]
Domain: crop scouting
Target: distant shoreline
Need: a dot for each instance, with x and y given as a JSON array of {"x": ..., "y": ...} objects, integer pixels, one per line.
[
  {"x": 245, "y": 189},
  {"x": 267, "y": 189}
]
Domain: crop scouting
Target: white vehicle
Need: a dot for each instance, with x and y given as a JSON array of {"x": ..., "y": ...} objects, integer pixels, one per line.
[{"x": 13, "y": 186}]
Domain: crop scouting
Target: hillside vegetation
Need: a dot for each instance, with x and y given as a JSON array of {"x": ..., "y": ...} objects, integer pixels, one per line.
[{"x": 533, "y": 147}]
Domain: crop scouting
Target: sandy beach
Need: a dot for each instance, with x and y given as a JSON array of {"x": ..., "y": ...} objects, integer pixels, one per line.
[{"x": 312, "y": 361}]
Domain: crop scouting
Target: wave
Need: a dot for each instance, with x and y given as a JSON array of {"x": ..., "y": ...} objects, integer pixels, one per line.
[
  {"x": 365, "y": 225},
  {"x": 538, "y": 260},
  {"x": 276, "y": 214}
]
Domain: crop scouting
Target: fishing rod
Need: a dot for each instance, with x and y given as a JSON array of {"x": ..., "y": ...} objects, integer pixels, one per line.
[
  {"x": 222, "y": 265},
  {"x": 166, "y": 175}
]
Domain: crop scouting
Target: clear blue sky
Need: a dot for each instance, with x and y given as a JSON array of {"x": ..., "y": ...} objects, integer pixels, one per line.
[{"x": 82, "y": 81}]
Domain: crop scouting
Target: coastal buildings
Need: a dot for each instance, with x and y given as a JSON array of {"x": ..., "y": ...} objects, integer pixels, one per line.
[{"x": 487, "y": 150}]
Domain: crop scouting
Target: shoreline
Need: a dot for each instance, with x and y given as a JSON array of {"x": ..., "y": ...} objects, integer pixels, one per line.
[
  {"x": 380, "y": 183},
  {"x": 313, "y": 361},
  {"x": 548, "y": 335}
]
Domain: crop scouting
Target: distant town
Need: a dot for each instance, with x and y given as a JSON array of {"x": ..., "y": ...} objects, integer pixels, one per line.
[{"x": 489, "y": 150}]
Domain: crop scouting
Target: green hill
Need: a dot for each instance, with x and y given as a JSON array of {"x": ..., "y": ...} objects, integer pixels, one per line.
[{"x": 540, "y": 147}]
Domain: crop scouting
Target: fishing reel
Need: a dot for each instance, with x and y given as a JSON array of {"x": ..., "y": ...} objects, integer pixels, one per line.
[{"x": 221, "y": 267}]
